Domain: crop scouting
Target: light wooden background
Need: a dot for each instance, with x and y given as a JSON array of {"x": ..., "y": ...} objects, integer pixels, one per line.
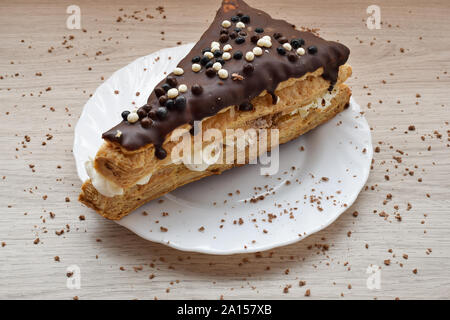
[{"x": 400, "y": 79}]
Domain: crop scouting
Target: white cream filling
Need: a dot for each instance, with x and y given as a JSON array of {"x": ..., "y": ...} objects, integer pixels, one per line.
[
  {"x": 322, "y": 102},
  {"x": 144, "y": 180},
  {"x": 100, "y": 183},
  {"x": 105, "y": 186}
]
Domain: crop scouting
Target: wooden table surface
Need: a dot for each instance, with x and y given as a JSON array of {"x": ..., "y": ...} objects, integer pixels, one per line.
[{"x": 48, "y": 73}]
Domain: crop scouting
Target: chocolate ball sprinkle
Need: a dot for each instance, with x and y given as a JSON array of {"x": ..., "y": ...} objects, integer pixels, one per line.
[
  {"x": 146, "y": 122},
  {"x": 282, "y": 40},
  {"x": 218, "y": 53},
  {"x": 238, "y": 55},
  {"x": 166, "y": 87},
  {"x": 170, "y": 104},
  {"x": 204, "y": 60},
  {"x": 206, "y": 50},
  {"x": 235, "y": 19},
  {"x": 312, "y": 50},
  {"x": 172, "y": 81},
  {"x": 197, "y": 89},
  {"x": 161, "y": 113},
  {"x": 259, "y": 30},
  {"x": 281, "y": 51},
  {"x": 141, "y": 113},
  {"x": 297, "y": 43},
  {"x": 209, "y": 64},
  {"x": 159, "y": 92},
  {"x": 233, "y": 35},
  {"x": 147, "y": 107},
  {"x": 223, "y": 31},
  {"x": 180, "y": 103},
  {"x": 224, "y": 38},
  {"x": 254, "y": 38},
  {"x": 221, "y": 61},
  {"x": 160, "y": 153},
  {"x": 292, "y": 57},
  {"x": 125, "y": 115},
  {"x": 245, "y": 19},
  {"x": 152, "y": 114},
  {"x": 162, "y": 100},
  {"x": 240, "y": 40},
  {"x": 196, "y": 59},
  {"x": 210, "y": 72},
  {"x": 248, "y": 68}
]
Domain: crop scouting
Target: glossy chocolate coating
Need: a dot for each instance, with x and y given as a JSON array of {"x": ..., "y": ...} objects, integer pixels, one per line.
[{"x": 268, "y": 71}]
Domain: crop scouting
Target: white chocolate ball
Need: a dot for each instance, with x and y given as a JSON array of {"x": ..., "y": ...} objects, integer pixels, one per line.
[
  {"x": 182, "y": 88},
  {"x": 227, "y": 47},
  {"x": 209, "y": 54},
  {"x": 226, "y": 56},
  {"x": 300, "y": 51},
  {"x": 217, "y": 66},
  {"x": 249, "y": 56},
  {"x": 226, "y": 24},
  {"x": 257, "y": 51},
  {"x": 132, "y": 117},
  {"x": 223, "y": 74},
  {"x": 196, "y": 67},
  {"x": 240, "y": 25},
  {"x": 287, "y": 46},
  {"x": 178, "y": 71},
  {"x": 172, "y": 93}
]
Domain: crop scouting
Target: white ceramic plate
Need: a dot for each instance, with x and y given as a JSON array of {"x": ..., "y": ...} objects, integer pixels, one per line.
[{"x": 339, "y": 150}]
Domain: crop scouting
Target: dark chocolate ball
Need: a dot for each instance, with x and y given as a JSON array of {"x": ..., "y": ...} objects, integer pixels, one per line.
[
  {"x": 204, "y": 60},
  {"x": 159, "y": 92},
  {"x": 210, "y": 72},
  {"x": 240, "y": 40},
  {"x": 238, "y": 55},
  {"x": 161, "y": 113},
  {"x": 180, "y": 103},
  {"x": 146, "y": 122},
  {"x": 162, "y": 100},
  {"x": 125, "y": 115},
  {"x": 281, "y": 51},
  {"x": 292, "y": 57},
  {"x": 224, "y": 38},
  {"x": 248, "y": 68},
  {"x": 160, "y": 153},
  {"x": 141, "y": 113},
  {"x": 170, "y": 104},
  {"x": 245, "y": 19},
  {"x": 312, "y": 50},
  {"x": 172, "y": 81},
  {"x": 166, "y": 87},
  {"x": 197, "y": 89}
]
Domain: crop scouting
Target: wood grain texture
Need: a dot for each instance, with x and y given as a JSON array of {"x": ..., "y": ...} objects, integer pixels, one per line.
[{"x": 400, "y": 79}]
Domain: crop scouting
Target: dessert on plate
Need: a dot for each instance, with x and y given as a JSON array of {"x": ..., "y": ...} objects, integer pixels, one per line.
[{"x": 248, "y": 71}]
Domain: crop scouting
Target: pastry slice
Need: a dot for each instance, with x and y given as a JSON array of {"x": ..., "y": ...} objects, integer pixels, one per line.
[{"x": 247, "y": 72}]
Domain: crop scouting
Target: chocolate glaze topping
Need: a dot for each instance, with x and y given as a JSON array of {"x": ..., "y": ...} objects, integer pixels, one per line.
[{"x": 211, "y": 94}]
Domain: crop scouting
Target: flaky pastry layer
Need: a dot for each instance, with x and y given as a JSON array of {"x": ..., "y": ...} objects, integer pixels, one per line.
[{"x": 127, "y": 168}]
